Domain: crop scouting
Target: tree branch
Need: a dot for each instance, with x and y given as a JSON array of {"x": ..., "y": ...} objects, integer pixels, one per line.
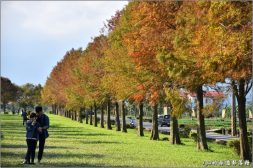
[{"x": 248, "y": 87}]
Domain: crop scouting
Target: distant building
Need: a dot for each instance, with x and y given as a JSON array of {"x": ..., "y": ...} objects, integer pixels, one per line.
[{"x": 208, "y": 97}]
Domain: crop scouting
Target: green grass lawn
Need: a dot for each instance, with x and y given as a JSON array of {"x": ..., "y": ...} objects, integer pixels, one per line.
[
  {"x": 74, "y": 144},
  {"x": 210, "y": 123}
]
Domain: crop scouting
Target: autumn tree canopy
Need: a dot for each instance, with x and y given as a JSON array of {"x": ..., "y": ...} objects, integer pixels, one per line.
[{"x": 152, "y": 50}]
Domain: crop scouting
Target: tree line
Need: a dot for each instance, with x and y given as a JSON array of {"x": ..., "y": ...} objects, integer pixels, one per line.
[
  {"x": 147, "y": 52},
  {"x": 19, "y": 97}
]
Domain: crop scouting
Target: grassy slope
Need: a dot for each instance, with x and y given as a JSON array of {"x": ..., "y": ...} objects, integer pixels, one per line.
[{"x": 74, "y": 144}]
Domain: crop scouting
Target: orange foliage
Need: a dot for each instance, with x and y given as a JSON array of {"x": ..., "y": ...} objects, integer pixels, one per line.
[{"x": 138, "y": 97}]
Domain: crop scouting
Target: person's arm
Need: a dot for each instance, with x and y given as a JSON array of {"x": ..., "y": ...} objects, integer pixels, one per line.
[
  {"x": 45, "y": 127},
  {"x": 46, "y": 123}
]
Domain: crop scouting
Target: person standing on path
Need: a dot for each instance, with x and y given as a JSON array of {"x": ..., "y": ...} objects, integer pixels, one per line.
[
  {"x": 43, "y": 120},
  {"x": 24, "y": 116}
]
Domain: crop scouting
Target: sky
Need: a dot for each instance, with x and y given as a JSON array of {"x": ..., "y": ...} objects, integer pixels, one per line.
[{"x": 35, "y": 35}]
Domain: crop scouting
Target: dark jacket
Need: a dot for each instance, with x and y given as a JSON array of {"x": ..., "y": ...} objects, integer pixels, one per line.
[
  {"x": 24, "y": 115},
  {"x": 31, "y": 130},
  {"x": 43, "y": 120}
]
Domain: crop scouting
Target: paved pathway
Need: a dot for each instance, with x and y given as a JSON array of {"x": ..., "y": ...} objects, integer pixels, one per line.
[
  {"x": 210, "y": 134},
  {"x": 220, "y": 137}
]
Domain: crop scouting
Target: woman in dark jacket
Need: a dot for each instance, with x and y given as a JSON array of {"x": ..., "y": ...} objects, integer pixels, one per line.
[{"x": 32, "y": 136}]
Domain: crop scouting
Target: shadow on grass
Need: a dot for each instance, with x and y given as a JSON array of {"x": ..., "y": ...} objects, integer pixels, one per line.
[
  {"x": 15, "y": 133},
  {"x": 58, "y": 126},
  {"x": 82, "y": 134},
  {"x": 24, "y": 146},
  {"x": 64, "y": 164},
  {"x": 66, "y": 131},
  {"x": 15, "y": 127},
  {"x": 71, "y": 155},
  {"x": 100, "y": 142},
  {"x": 72, "y": 164},
  {"x": 48, "y": 155}
]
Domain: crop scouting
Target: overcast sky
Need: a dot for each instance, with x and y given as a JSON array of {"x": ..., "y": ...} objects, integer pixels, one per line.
[{"x": 36, "y": 35}]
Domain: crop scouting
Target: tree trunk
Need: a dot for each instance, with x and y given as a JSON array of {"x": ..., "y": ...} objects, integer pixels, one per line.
[
  {"x": 140, "y": 126},
  {"x": 95, "y": 115},
  {"x": 245, "y": 153},
  {"x": 154, "y": 132},
  {"x": 117, "y": 117},
  {"x": 86, "y": 117},
  {"x": 233, "y": 116},
  {"x": 123, "y": 112},
  {"x": 69, "y": 114},
  {"x": 76, "y": 116},
  {"x": 201, "y": 121},
  {"x": 72, "y": 115},
  {"x": 102, "y": 117},
  {"x": 57, "y": 110},
  {"x": 135, "y": 111},
  {"x": 79, "y": 116},
  {"x": 53, "y": 110},
  {"x": 4, "y": 107},
  {"x": 174, "y": 131},
  {"x": 62, "y": 111},
  {"x": 109, "y": 126},
  {"x": 91, "y": 110}
]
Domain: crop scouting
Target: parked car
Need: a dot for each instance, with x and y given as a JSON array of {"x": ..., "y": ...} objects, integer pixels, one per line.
[
  {"x": 90, "y": 112},
  {"x": 131, "y": 122},
  {"x": 164, "y": 120}
]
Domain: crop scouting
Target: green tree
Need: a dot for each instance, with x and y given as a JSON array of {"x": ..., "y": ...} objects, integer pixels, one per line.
[
  {"x": 30, "y": 96},
  {"x": 9, "y": 92},
  {"x": 178, "y": 105}
]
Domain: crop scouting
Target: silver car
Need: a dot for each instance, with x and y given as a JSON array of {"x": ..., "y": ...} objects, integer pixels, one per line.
[{"x": 131, "y": 122}]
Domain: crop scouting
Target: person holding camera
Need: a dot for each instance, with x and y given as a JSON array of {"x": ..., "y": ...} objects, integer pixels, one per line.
[{"x": 43, "y": 120}]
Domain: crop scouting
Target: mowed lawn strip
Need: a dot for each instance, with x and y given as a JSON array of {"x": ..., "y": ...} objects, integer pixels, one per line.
[{"x": 77, "y": 144}]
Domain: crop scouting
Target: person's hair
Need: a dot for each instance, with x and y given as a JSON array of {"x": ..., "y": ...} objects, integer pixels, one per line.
[
  {"x": 33, "y": 114},
  {"x": 38, "y": 109}
]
